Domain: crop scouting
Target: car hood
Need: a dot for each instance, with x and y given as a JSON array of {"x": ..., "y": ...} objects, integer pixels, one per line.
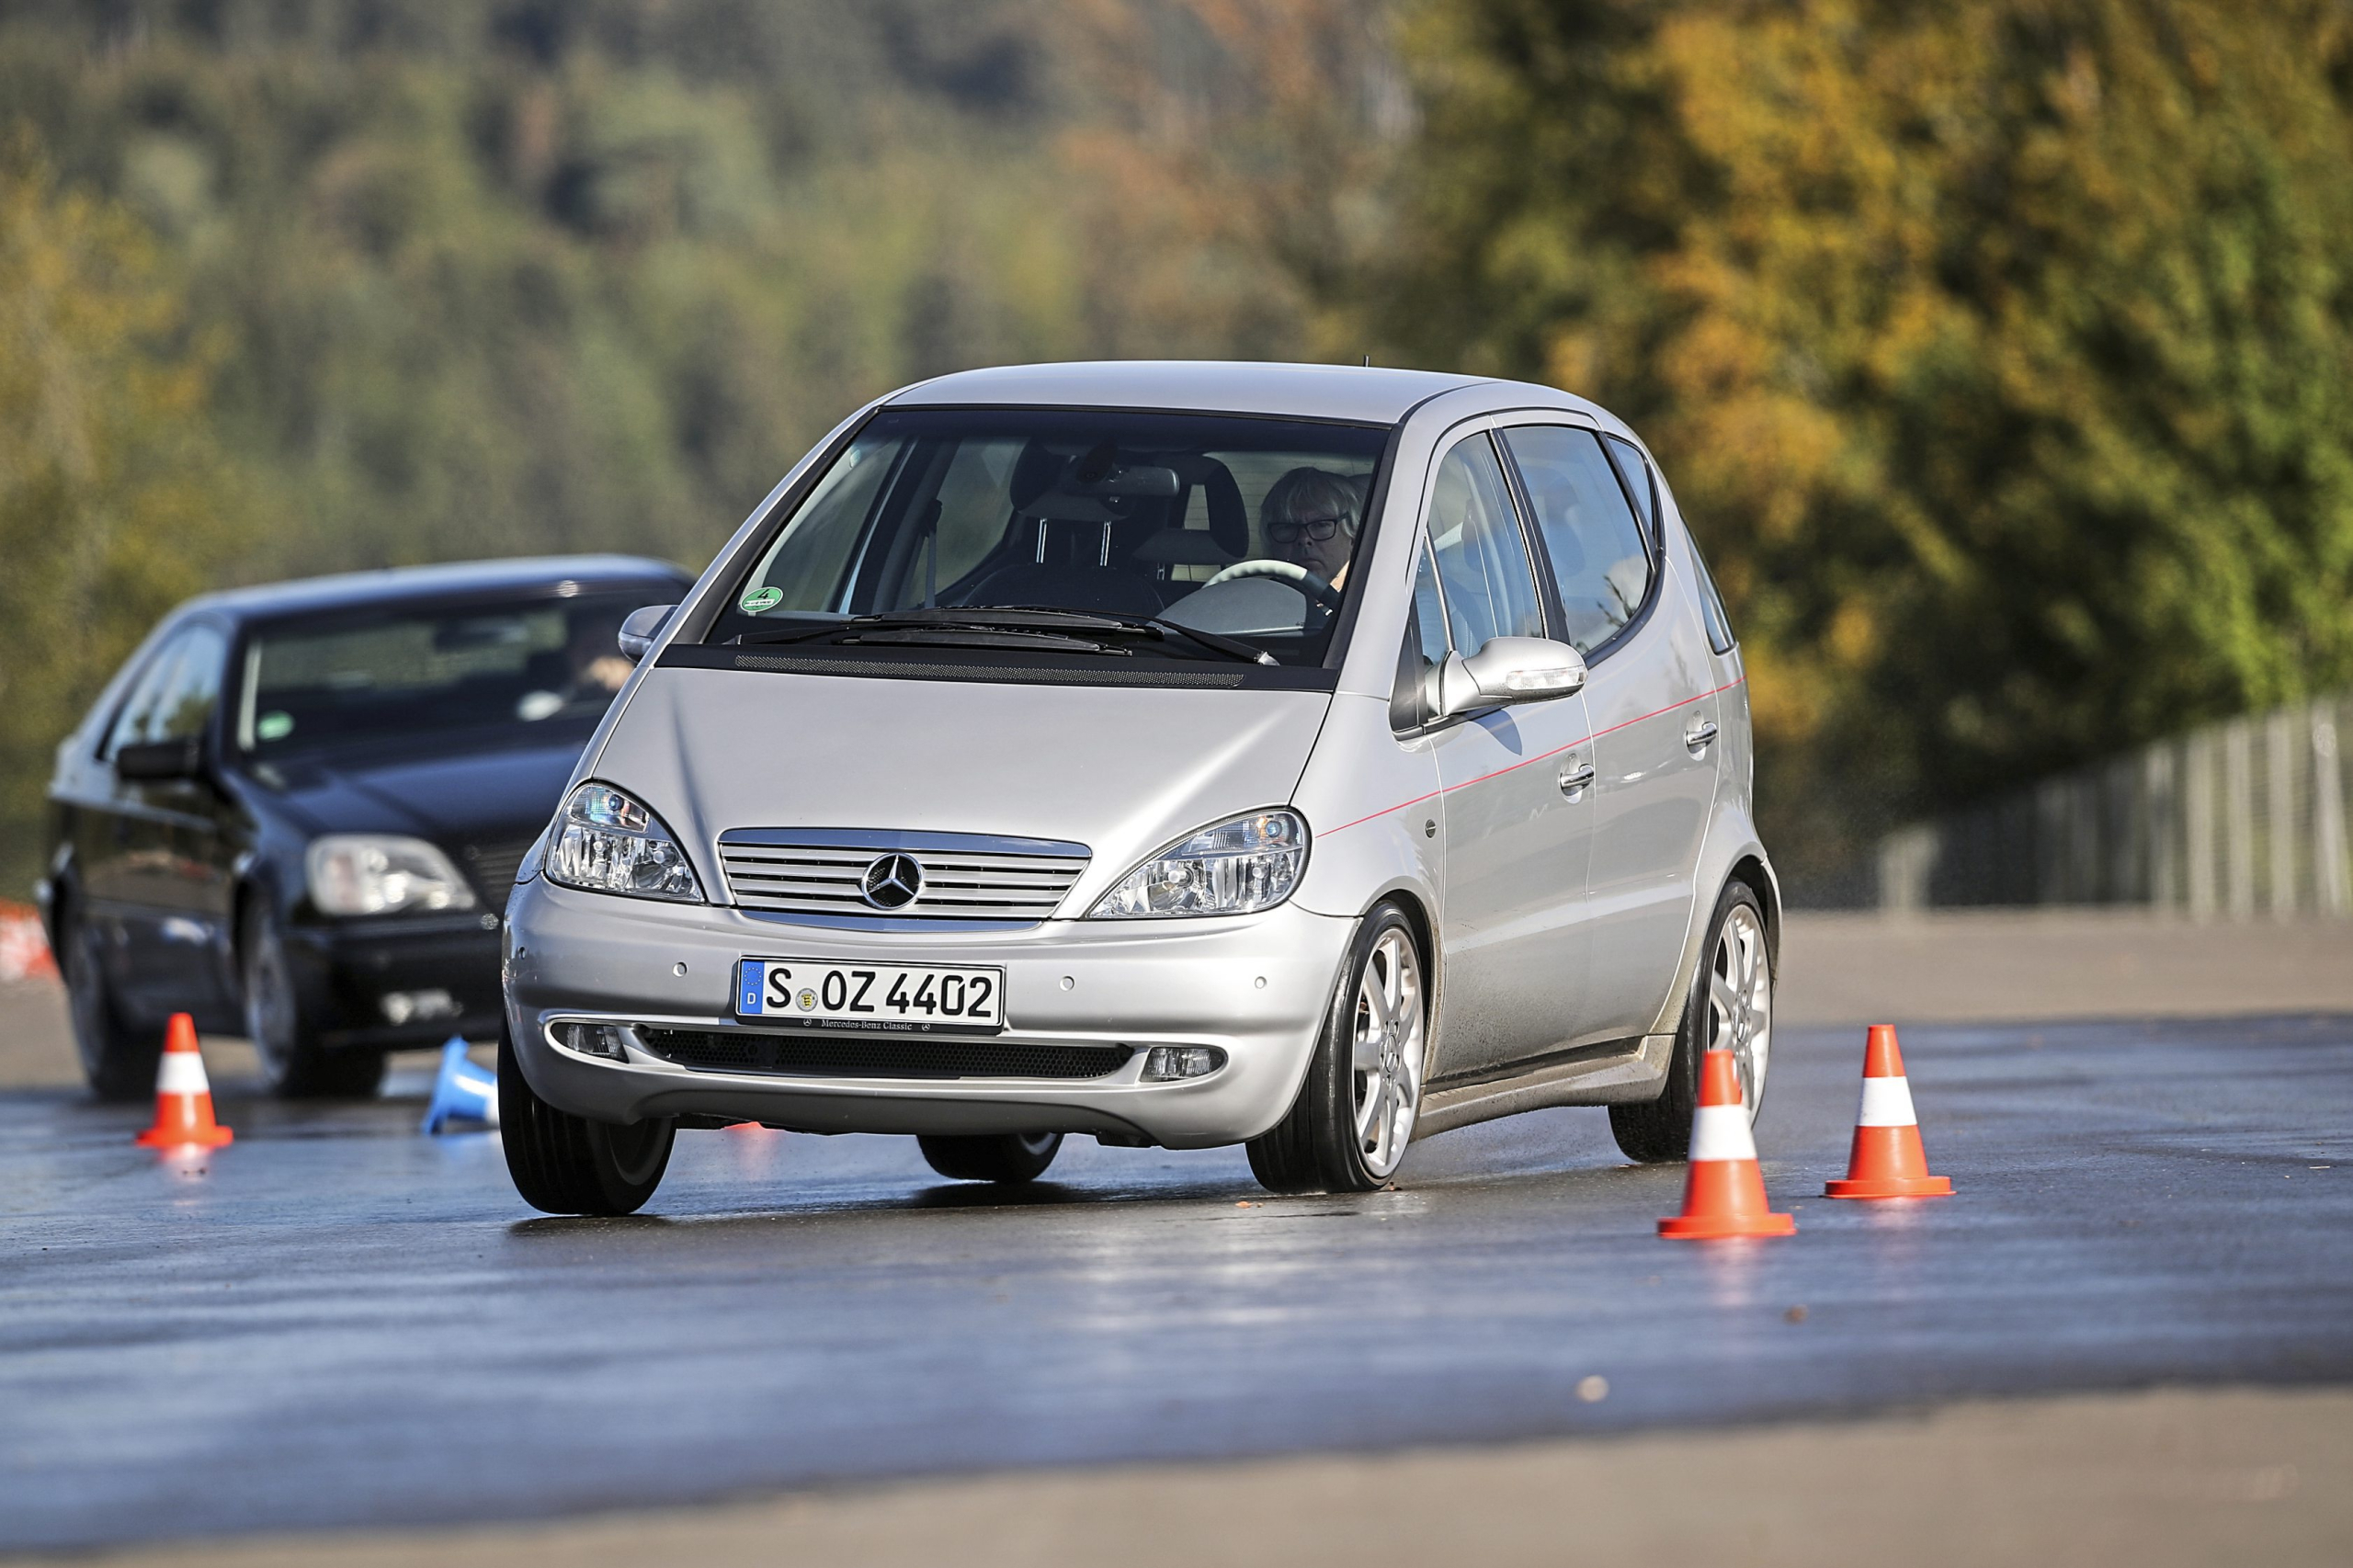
[
  {"x": 1121, "y": 770},
  {"x": 449, "y": 795}
]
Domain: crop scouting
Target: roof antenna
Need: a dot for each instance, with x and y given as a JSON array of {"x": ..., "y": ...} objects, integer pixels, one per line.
[{"x": 1367, "y": 361}]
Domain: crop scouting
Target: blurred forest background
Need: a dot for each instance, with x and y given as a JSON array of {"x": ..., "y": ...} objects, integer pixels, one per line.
[{"x": 2000, "y": 351}]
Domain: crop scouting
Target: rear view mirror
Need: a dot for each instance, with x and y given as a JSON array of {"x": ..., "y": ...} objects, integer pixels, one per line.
[
  {"x": 638, "y": 632},
  {"x": 159, "y": 762},
  {"x": 1507, "y": 670}
]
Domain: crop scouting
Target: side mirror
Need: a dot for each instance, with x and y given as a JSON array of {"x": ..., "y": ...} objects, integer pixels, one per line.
[
  {"x": 641, "y": 629},
  {"x": 159, "y": 762},
  {"x": 1508, "y": 670}
]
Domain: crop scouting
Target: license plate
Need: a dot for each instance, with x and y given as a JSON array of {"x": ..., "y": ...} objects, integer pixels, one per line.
[{"x": 887, "y": 998}]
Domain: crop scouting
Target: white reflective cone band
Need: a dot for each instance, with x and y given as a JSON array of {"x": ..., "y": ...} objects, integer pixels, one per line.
[
  {"x": 182, "y": 1072},
  {"x": 1721, "y": 1133},
  {"x": 1887, "y": 1102}
]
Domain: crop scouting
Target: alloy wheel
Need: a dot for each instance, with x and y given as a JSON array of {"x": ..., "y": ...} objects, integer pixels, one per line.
[
  {"x": 1390, "y": 1048},
  {"x": 1740, "y": 1000},
  {"x": 269, "y": 1003}
]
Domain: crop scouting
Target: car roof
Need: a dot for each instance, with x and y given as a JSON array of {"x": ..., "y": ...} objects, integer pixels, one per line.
[
  {"x": 1366, "y": 394},
  {"x": 456, "y": 579}
]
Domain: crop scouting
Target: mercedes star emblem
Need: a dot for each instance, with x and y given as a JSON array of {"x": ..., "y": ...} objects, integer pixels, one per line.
[{"x": 892, "y": 881}]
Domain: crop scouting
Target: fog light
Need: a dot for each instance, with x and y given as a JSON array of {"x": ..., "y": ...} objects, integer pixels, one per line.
[
  {"x": 421, "y": 1006},
  {"x": 1165, "y": 1061},
  {"x": 592, "y": 1039}
]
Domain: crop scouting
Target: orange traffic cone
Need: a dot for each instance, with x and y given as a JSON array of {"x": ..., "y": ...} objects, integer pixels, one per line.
[
  {"x": 1723, "y": 1190},
  {"x": 183, "y": 1095},
  {"x": 1888, "y": 1160}
]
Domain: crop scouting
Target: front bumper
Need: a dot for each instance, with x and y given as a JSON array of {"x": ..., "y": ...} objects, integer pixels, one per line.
[
  {"x": 1255, "y": 987},
  {"x": 347, "y": 971}
]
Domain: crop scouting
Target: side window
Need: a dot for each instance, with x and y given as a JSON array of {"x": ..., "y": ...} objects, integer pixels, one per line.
[
  {"x": 184, "y": 707},
  {"x": 1426, "y": 647},
  {"x": 1711, "y": 605},
  {"x": 1483, "y": 570},
  {"x": 132, "y": 722},
  {"x": 1639, "y": 483},
  {"x": 1601, "y": 562}
]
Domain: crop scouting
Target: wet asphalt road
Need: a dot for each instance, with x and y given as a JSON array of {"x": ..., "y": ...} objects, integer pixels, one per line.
[{"x": 336, "y": 1321}]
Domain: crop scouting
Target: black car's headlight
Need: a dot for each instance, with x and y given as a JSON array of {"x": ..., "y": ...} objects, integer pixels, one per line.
[
  {"x": 381, "y": 873},
  {"x": 606, "y": 841},
  {"x": 1237, "y": 867}
]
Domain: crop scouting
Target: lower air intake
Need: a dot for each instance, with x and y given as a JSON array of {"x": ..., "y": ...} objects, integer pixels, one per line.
[{"x": 854, "y": 1056}]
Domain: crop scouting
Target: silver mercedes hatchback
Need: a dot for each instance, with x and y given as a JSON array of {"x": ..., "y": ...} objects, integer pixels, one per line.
[{"x": 1180, "y": 753}]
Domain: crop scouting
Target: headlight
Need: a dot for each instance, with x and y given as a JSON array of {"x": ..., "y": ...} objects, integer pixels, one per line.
[
  {"x": 381, "y": 873},
  {"x": 1236, "y": 868},
  {"x": 605, "y": 842}
]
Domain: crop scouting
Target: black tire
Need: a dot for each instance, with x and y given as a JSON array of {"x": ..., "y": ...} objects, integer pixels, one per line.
[
  {"x": 117, "y": 1058},
  {"x": 568, "y": 1164},
  {"x": 1001, "y": 1156},
  {"x": 293, "y": 1064},
  {"x": 1659, "y": 1130},
  {"x": 1315, "y": 1148}
]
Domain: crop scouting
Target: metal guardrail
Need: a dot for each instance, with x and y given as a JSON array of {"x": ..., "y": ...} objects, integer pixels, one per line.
[{"x": 2238, "y": 821}]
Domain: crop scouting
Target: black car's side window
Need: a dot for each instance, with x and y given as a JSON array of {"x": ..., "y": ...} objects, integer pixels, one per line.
[{"x": 175, "y": 695}]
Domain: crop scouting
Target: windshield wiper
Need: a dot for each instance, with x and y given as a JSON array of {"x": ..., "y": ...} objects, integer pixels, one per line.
[
  {"x": 1041, "y": 620},
  {"x": 1108, "y": 621}
]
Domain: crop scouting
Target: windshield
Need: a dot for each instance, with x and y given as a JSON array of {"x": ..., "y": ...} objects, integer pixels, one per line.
[
  {"x": 933, "y": 523},
  {"x": 408, "y": 670}
]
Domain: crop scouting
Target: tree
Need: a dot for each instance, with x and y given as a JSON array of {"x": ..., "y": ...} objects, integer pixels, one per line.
[
  {"x": 2002, "y": 354},
  {"x": 115, "y": 501}
]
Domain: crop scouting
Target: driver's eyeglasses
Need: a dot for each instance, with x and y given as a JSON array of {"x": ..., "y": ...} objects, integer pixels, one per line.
[{"x": 1318, "y": 530}]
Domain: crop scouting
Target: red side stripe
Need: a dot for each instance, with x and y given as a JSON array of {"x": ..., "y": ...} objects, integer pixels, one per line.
[{"x": 1524, "y": 762}]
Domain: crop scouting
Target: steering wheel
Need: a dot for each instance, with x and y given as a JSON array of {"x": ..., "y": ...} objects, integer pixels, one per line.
[{"x": 1298, "y": 576}]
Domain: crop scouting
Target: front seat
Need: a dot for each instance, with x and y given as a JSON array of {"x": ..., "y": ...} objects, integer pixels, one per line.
[{"x": 1105, "y": 589}]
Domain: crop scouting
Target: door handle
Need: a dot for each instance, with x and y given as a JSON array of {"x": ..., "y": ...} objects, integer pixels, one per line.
[
  {"x": 1575, "y": 777},
  {"x": 1699, "y": 734}
]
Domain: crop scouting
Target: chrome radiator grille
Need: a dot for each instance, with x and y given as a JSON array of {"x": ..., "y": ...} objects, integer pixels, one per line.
[{"x": 821, "y": 874}]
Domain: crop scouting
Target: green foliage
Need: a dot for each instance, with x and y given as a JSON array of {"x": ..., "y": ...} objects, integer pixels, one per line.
[
  {"x": 547, "y": 275},
  {"x": 2002, "y": 353},
  {"x": 113, "y": 493}
]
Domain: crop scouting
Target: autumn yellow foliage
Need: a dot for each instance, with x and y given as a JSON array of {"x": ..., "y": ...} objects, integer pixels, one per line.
[{"x": 2001, "y": 352}]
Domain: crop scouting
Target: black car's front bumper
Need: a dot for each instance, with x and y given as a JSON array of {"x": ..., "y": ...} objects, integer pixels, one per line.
[{"x": 375, "y": 984}]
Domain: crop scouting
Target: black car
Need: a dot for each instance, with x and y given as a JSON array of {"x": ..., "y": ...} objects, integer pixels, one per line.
[{"x": 296, "y": 812}]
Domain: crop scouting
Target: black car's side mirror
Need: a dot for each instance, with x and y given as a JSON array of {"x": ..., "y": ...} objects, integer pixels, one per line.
[
  {"x": 159, "y": 762},
  {"x": 638, "y": 632}
]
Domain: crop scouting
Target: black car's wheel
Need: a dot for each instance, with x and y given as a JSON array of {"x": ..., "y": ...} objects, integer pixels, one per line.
[
  {"x": 1731, "y": 1006},
  {"x": 568, "y": 1164},
  {"x": 1006, "y": 1156},
  {"x": 293, "y": 1063},
  {"x": 118, "y": 1058},
  {"x": 1355, "y": 1113}
]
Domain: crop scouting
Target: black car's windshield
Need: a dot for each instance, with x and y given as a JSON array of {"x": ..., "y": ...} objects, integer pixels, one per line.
[
  {"x": 387, "y": 673},
  {"x": 941, "y": 527}
]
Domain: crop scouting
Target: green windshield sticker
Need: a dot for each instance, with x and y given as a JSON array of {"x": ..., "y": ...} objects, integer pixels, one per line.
[
  {"x": 760, "y": 600},
  {"x": 274, "y": 726}
]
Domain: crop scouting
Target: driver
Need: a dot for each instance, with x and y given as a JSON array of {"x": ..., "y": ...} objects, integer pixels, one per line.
[{"x": 1311, "y": 516}]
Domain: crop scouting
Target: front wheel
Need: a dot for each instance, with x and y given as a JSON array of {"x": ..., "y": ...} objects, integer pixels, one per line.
[
  {"x": 568, "y": 1164},
  {"x": 293, "y": 1063},
  {"x": 1729, "y": 1009},
  {"x": 1355, "y": 1113},
  {"x": 1006, "y": 1157}
]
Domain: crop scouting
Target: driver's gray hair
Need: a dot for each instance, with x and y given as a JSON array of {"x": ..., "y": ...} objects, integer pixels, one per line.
[{"x": 1315, "y": 493}]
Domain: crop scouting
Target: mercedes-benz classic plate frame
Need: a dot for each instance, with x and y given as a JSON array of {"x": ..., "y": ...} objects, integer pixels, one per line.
[{"x": 873, "y": 998}]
